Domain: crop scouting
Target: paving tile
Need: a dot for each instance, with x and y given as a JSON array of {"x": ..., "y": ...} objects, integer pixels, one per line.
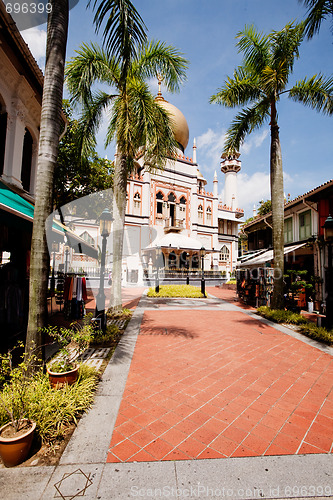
[
  {"x": 158, "y": 448},
  {"x": 207, "y": 395}
]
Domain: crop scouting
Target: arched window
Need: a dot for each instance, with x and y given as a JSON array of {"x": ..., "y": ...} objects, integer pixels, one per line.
[
  {"x": 172, "y": 198},
  {"x": 159, "y": 203},
  {"x": 26, "y": 160},
  {"x": 137, "y": 203},
  {"x": 89, "y": 239},
  {"x": 172, "y": 260},
  {"x": 3, "y": 130},
  {"x": 182, "y": 207},
  {"x": 200, "y": 213},
  {"x": 224, "y": 254},
  {"x": 208, "y": 215}
]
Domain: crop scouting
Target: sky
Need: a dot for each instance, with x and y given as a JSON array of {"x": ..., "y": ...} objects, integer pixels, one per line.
[{"x": 205, "y": 31}]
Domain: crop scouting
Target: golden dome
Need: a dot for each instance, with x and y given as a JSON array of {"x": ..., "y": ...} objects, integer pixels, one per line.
[{"x": 178, "y": 121}]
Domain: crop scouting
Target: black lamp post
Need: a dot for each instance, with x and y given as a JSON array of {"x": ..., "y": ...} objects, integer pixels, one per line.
[
  {"x": 202, "y": 255},
  {"x": 328, "y": 236},
  {"x": 105, "y": 221},
  {"x": 66, "y": 258},
  {"x": 157, "y": 282}
]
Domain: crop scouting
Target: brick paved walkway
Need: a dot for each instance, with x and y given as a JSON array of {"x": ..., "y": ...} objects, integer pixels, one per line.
[{"x": 216, "y": 383}]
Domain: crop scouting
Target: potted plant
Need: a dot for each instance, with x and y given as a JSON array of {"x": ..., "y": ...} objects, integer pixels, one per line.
[
  {"x": 73, "y": 341},
  {"x": 17, "y": 434}
]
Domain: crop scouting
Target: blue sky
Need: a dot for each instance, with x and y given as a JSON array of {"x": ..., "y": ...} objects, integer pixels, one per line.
[{"x": 205, "y": 32}]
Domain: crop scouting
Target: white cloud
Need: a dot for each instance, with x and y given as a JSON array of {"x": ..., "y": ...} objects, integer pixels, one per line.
[
  {"x": 36, "y": 40},
  {"x": 254, "y": 141},
  {"x": 252, "y": 189}
]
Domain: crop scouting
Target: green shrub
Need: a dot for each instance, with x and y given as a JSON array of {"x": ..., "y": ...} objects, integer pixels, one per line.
[
  {"x": 184, "y": 291},
  {"x": 109, "y": 338},
  {"x": 231, "y": 282},
  {"x": 281, "y": 315},
  {"x": 306, "y": 327},
  {"x": 54, "y": 409},
  {"x": 317, "y": 333}
]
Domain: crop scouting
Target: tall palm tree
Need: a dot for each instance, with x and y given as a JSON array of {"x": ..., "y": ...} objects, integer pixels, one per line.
[
  {"x": 137, "y": 122},
  {"x": 259, "y": 83},
  {"x": 47, "y": 157},
  {"x": 121, "y": 16},
  {"x": 318, "y": 11}
]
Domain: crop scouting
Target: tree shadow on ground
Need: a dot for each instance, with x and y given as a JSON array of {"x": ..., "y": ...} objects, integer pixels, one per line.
[{"x": 168, "y": 332}]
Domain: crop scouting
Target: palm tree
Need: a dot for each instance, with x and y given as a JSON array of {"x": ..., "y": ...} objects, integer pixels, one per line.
[
  {"x": 318, "y": 11},
  {"x": 137, "y": 124},
  {"x": 47, "y": 157},
  {"x": 260, "y": 82},
  {"x": 121, "y": 16}
]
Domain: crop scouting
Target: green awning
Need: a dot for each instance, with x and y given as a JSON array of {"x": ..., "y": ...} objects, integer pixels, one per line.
[{"x": 14, "y": 203}]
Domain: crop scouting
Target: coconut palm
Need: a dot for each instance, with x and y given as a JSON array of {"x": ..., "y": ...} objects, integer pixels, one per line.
[
  {"x": 260, "y": 82},
  {"x": 121, "y": 17},
  {"x": 138, "y": 125},
  {"x": 318, "y": 11}
]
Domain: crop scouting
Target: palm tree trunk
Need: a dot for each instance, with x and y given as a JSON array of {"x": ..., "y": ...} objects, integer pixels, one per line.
[
  {"x": 277, "y": 196},
  {"x": 119, "y": 208},
  {"x": 47, "y": 157}
]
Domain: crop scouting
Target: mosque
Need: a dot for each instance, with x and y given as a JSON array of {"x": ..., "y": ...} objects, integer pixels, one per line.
[{"x": 171, "y": 210}]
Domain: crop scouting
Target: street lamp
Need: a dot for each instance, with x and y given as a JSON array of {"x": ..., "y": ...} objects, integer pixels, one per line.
[
  {"x": 202, "y": 255},
  {"x": 105, "y": 221},
  {"x": 66, "y": 258},
  {"x": 328, "y": 237}
]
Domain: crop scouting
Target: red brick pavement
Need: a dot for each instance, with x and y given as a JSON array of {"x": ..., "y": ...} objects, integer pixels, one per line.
[{"x": 215, "y": 384}]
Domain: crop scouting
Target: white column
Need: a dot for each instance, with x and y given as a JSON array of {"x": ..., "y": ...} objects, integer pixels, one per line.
[{"x": 14, "y": 145}]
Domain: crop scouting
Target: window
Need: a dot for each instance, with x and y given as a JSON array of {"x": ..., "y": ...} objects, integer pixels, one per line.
[
  {"x": 288, "y": 230},
  {"x": 200, "y": 213},
  {"x": 224, "y": 254},
  {"x": 221, "y": 226},
  {"x": 209, "y": 215},
  {"x": 89, "y": 239},
  {"x": 305, "y": 225},
  {"x": 159, "y": 203},
  {"x": 137, "y": 204},
  {"x": 26, "y": 160},
  {"x": 229, "y": 227},
  {"x": 182, "y": 207}
]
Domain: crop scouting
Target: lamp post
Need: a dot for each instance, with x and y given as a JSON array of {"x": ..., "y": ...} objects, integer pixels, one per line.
[
  {"x": 66, "y": 258},
  {"x": 202, "y": 255},
  {"x": 328, "y": 236},
  {"x": 105, "y": 221}
]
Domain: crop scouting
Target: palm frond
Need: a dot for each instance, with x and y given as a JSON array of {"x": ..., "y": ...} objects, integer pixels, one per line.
[
  {"x": 90, "y": 120},
  {"x": 285, "y": 46},
  {"x": 238, "y": 90},
  {"x": 89, "y": 66},
  {"x": 255, "y": 47},
  {"x": 141, "y": 124},
  {"x": 158, "y": 58},
  {"x": 124, "y": 29},
  {"x": 318, "y": 11},
  {"x": 315, "y": 92},
  {"x": 245, "y": 122}
]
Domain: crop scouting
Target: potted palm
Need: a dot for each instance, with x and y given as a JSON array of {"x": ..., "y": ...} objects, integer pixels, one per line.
[
  {"x": 73, "y": 341},
  {"x": 16, "y": 435}
]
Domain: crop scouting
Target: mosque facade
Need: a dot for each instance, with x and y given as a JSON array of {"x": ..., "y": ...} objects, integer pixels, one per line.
[{"x": 171, "y": 209}]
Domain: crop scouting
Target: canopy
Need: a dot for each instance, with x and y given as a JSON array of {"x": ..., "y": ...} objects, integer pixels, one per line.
[
  {"x": 267, "y": 256},
  {"x": 177, "y": 241},
  {"x": 16, "y": 205}
]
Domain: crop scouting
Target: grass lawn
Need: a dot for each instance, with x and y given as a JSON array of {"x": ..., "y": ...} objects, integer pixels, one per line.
[{"x": 184, "y": 291}]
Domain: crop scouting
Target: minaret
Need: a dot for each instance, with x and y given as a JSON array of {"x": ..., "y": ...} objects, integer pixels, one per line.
[
  {"x": 215, "y": 185},
  {"x": 194, "y": 151},
  {"x": 230, "y": 166}
]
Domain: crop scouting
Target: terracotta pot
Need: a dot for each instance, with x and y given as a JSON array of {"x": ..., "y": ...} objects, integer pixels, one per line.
[
  {"x": 15, "y": 450},
  {"x": 58, "y": 380}
]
